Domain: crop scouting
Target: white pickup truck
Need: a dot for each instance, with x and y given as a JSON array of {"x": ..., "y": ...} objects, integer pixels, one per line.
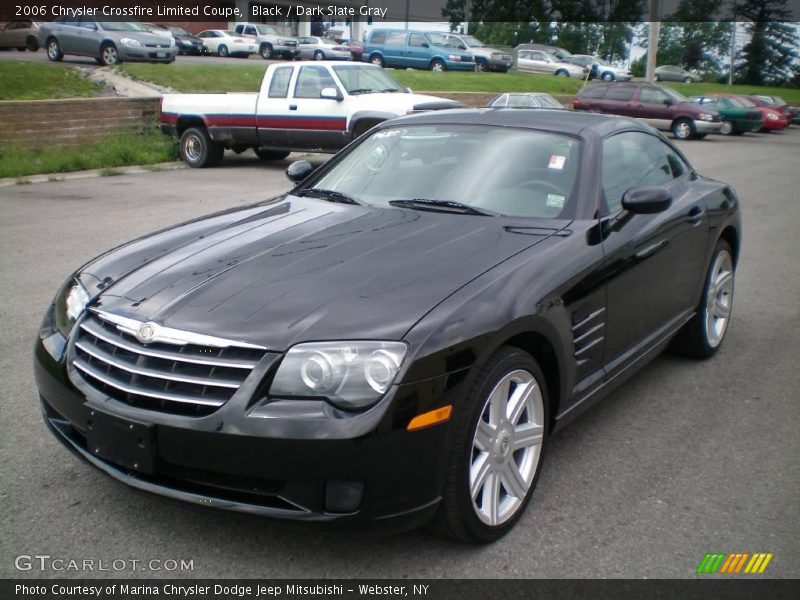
[{"x": 316, "y": 107}]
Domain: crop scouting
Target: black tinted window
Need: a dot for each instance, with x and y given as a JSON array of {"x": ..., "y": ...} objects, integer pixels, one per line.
[
  {"x": 632, "y": 159},
  {"x": 623, "y": 94},
  {"x": 594, "y": 91}
]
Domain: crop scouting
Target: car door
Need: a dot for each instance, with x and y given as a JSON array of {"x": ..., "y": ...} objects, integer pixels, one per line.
[
  {"x": 539, "y": 63},
  {"x": 88, "y": 39},
  {"x": 654, "y": 262},
  {"x": 210, "y": 41},
  {"x": 12, "y": 35},
  {"x": 654, "y": 106},
  {"x": 619, "y": 100},
  {"x": 418, "y": 52},
  {"x": 394, "y": 50},
  {"x": 315, "y": 123},
  {"x": 275, "y": 111},
  {"x": 67, "y": 35}
]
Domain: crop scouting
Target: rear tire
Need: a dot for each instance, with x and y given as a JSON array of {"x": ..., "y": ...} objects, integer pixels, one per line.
[
  {"x": 319, "y": 55},
  {"x": 198, "y": 150},
  {"x": 54, "y": 50},
  {"x": 222, "y": 50},
  {"x": 702, "y": 336},
  {"x": 265, "y": 154},
  {"x": 683, "y": 129},
  {"x": 495, "y": 458},
  {"x": 687, "y": 80},
  {"x": 656, "y": 78}
]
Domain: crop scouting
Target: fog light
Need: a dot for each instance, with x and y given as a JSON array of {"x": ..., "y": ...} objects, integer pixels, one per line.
[{"x": 343, "y": 496}]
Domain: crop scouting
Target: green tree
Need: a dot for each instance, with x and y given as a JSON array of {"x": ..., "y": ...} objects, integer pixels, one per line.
[{"x": 768, "y": 57}]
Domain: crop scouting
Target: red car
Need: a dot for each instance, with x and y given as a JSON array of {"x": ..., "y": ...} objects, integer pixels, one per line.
[
  {"x": 774, "y": 108},
  {"x": 356, "y": 48}
]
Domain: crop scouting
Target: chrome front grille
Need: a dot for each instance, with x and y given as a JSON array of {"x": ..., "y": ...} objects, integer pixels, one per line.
[{"x": 178, "y": 372}]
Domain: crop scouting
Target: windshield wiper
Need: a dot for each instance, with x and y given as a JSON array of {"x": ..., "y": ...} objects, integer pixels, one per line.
[
  {"x": 362, "y": 91},
  {"x": 329, "y": 195},
  {"x": 440, "y": 205},
  {"x": 391, "y": 89}
]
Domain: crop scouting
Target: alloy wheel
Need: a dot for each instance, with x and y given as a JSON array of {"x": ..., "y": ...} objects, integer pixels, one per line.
[
  {"x": 193, "y": 148},
  {"x": 109, "y": 55},
  {"x": 719, "y": 298},
  {"x": 727, "y": 128},
  {"x": 506, "y": 447}
]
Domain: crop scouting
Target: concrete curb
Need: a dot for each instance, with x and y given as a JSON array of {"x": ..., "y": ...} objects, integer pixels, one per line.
[{"x": 106, "y": 172}]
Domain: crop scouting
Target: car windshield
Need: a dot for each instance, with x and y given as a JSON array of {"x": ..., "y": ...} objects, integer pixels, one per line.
[
  {"x": 674, "y": 95},
  {"x": 266, "y": 30},
  {"x": 745, "y": 102},
  {"x": 121, "y": 26},
  {"x": 739, "y": 102},
  {"x": 437, "y": 39},
  {"x": 179, "y": 31},
  {"x": 513, "y": 172},
  {"x": 366, "y": 79},
  {"x": 328, "y": 41},
  {"x": 472, "y": 42}
]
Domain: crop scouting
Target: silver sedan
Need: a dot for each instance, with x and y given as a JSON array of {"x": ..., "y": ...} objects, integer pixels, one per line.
[
  {"x": 537, "y": 61},
  {"x": 21, "y": 34},
  {"x": 319, "y": 48}
]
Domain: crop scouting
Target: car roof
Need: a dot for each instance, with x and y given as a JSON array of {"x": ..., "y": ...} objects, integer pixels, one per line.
[{"x": 556, "y": 121}]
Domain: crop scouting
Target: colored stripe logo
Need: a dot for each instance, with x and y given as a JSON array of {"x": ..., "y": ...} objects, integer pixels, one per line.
[{"x": 735, "y": 563}]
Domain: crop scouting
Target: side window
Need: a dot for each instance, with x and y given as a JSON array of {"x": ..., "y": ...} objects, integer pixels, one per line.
[
  {"x": 620, "y": 93},
  {"x": 537, "y": 56},
  {"x": 631, "y": 159},
  {"x": 650, "y": 95},
  {"x": 279, "y": 86},
  {"x": 396, "y": 38},
  {"x": 595, "y": 91},
  {"x": 311, "y": 81},
  {"x": 250, "y": 30},
  {"x": 88, "y": 24},
  {"x": 416, "y": 40},
  {"x": 239, "y": 28},
  {"x": 378, "y": 37}
]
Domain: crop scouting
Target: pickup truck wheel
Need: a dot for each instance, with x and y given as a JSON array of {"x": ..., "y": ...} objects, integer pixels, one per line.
[
  {"x": 198, "y": 150},
  {"x": 54, "y": 50},
  {"x": 438, "y": 66},
  {"x": 32, "y": 44},
  {"x": 222, "y": 50},
  {"x": 683, "y": 129},
  {"x": 376, "y": 60},
  {"x": 319, "y": 55},
  {"x": 265, "y": 51},
  {"x": 265, "y": 154},
  {"x": 109, "y": 55}
]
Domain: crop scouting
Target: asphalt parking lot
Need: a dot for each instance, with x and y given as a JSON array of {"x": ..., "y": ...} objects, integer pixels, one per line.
[{"x": 686, "y": 458}]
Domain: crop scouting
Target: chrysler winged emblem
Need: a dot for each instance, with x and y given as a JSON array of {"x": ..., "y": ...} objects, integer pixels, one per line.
[{"x": 146, "y": 332}]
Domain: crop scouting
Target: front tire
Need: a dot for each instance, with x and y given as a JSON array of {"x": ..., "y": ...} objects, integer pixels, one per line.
[
  {"x": 683, "y": 129},
  {"x": 607, "y": 76},
  {"x": 702, "y": 336},
  {"x": 319, "y": 55},
  {"x": 222, "y": 50},
  {"x": 377, "y": 59},
  {"x": 656, "y": 78},
  {"x": 727, "y": 128},
  {"x": 266, "y": 51},
  {"x": 497, "y": 447},
  {"x": 54, "y": 50},
  {"x": 198, "y": 150},
  {"x": 109, "y": 55},
  {"x": 437, "y": 66},
  {"x": 481, "y": 67},
  {"x": 562, "y": 73},
  {"x": 687, "y": 80}
]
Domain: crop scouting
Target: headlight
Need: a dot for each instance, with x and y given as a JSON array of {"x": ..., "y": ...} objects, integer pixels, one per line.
[
  {"x": 130, "y": 42},
  {"x": 707, "y": 117},
  {"x": 772, "y": 116},
  {"x": 70, "y": 303},
  {"x": 351, "y": 375}
]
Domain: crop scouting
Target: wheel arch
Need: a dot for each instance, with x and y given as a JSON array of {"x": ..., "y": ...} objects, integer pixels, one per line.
[
  {"x": 184, "y": 122},
  {"x": 731, "y": 235},
  {"x": 367, "y": 119}
]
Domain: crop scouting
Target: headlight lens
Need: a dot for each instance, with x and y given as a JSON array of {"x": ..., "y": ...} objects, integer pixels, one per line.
[
  {"x": 70, "y": 303},
  {"x": 351, "y": 375},
  {"x": 130, "y": 42},
  {"x": 772, "y": 116},
  {"x": 707, "y": 117},
  {"x": 454, "y": 57}
]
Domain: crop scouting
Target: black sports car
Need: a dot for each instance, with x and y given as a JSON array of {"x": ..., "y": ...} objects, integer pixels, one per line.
[{"x": 396, "y": 338}]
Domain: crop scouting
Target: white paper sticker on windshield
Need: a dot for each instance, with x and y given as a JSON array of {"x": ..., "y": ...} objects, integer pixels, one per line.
[
  {"x": 389, "y": 133},
  {"x": 557, "y": 162},
  {"x": 555, "y": 200}
]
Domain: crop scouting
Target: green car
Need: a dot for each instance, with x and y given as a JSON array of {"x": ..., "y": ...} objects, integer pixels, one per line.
[{"x": 736, "y": 116}]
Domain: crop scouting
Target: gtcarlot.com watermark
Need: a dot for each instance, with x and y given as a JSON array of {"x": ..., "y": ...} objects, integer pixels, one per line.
[{"x": 46, "y": 562}]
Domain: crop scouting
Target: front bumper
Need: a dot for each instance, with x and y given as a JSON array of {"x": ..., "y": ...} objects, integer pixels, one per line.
[
  {"x": 135, "y": 53},
  {"x": 707, "y": 126},
  {"x": 381, "y": 474}
]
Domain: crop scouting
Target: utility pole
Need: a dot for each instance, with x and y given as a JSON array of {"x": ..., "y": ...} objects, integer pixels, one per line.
[
  {"x": 466, "y": 17},
  {"x": 408, "y": 11},
  {"x": 654, "y": 31},
  {"x": 733, "y": 45}
]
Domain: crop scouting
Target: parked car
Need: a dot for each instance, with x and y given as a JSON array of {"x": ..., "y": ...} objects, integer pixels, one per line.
[
  {"x": 355, "y": 47},
  {"x": 486, "y": 57},
  {"x": 537, "y": 61},
  {"x": 320, "y": 48},
  {"x": 227, "y": 43},
  {"x": 600, "y": 68},
  {"x": 661, "y": 107},
  {"x": 319, "y": 107},
  {"x": 525, "y": 100},
  {"x": 269, "y": 42},
  {"x": 673, "y": 73},
  {"x": 736, "y": 117},
  {"x": 774, "y": 102},
  {"x": 187, "y": 43},
  {"x": 415, "y": 50},
  {"x": 158, "y": 29},
  {"x": 771, "y": 118},
  {"x": 397, "y": 338},
  {"x": 22, "y": 34},
  {"x": 108, "y": 42},
  {"x": 560, "y": 53}
]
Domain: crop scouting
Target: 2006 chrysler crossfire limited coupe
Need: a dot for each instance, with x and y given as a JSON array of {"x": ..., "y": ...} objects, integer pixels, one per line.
[{"x": 394, "y": 340}]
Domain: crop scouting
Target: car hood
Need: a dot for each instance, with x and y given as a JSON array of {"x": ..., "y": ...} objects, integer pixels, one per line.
[
  {"x": 300, "y": 269},
  {"x": 401, "y": 103}
]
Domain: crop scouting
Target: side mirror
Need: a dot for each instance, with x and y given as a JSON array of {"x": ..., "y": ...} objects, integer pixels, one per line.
[
  {"x": 409, "y": 90},
  {"x": 646, "y": 200},
  {"x": 330, "y": 93},
  {"x": 668, "y": 101},
  {"x": 426, "y": 45},
  {"x": 462, "y": 47},
  {"x": 299, "y": 170}
]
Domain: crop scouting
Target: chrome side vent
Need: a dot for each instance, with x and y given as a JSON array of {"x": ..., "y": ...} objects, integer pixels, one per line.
[
  {"x": 180, "y": 373},
  {"x": 588, "y": 334}
]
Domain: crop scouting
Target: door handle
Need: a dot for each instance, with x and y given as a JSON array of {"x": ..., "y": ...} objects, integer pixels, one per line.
[
  {"x": 695, "y": 215},
  {"x": 293, "y": 107}
]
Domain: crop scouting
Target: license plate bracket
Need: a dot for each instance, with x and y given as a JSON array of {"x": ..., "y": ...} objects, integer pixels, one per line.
[
  {"x": 124, "y": 442},
  {"x": 161, "y": 55}
]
